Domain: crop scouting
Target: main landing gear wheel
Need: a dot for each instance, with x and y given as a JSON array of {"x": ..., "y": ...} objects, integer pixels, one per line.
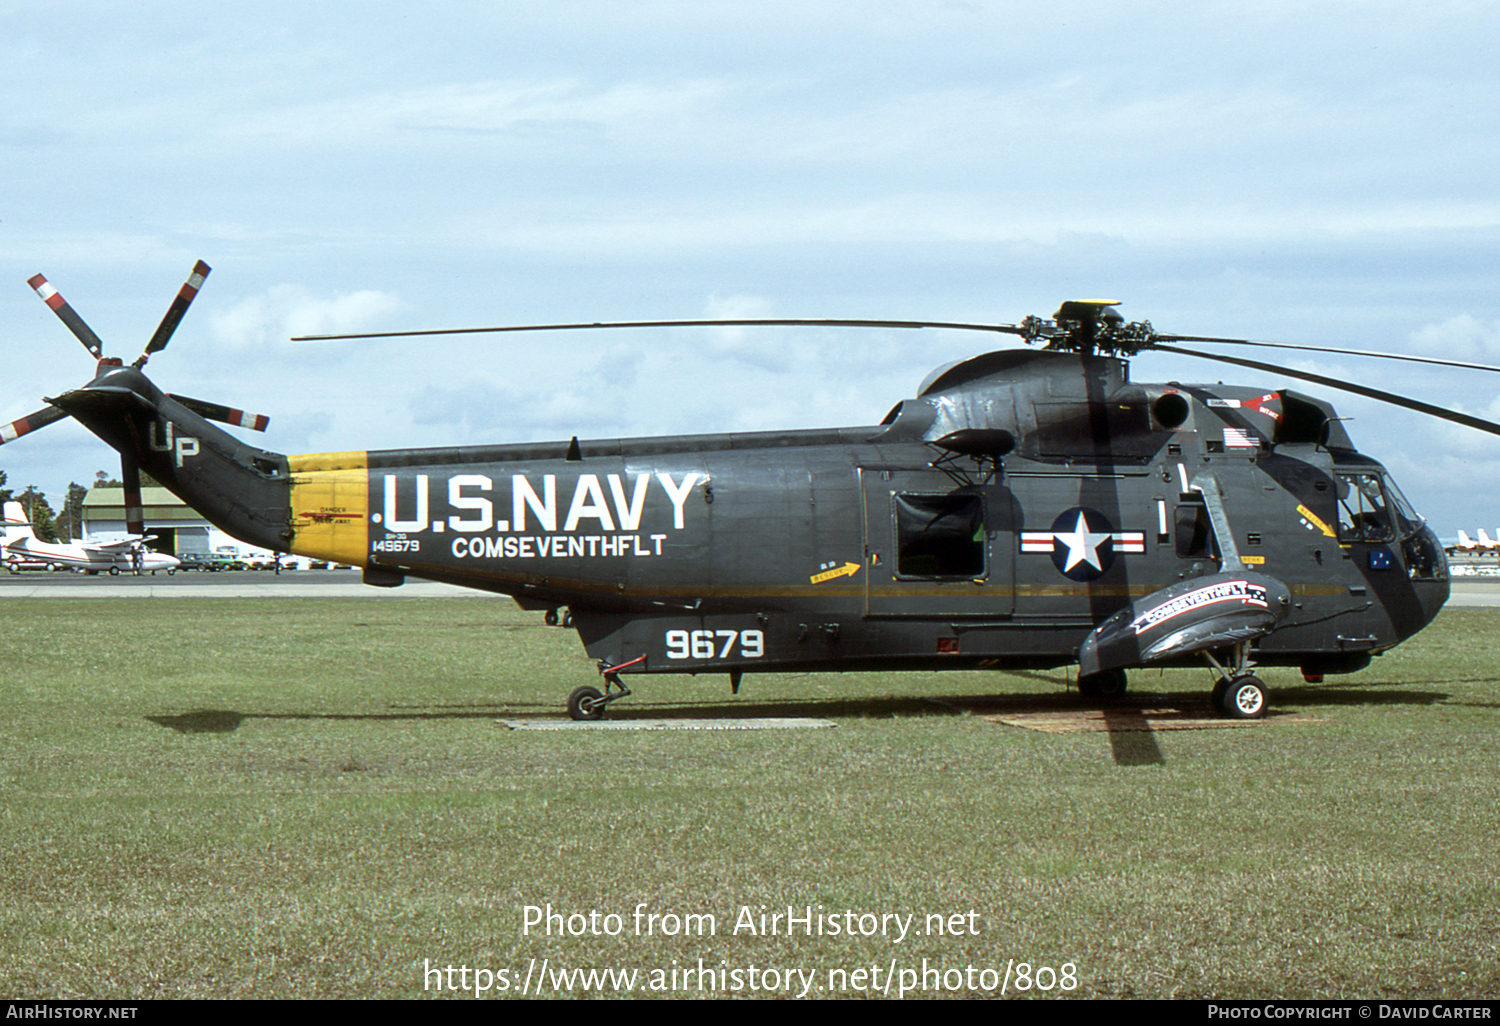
[
  {"x": 1106, "y": 684},
  {"x": 1243, "y": 698},
  {"x": 586, "y": 703}
]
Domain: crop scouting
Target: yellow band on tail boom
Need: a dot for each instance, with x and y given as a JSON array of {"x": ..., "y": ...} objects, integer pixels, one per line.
[{"x": 331, "y": 506}]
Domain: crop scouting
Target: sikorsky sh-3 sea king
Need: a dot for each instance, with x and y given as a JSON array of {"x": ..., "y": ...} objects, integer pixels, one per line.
[{"x": 1030, "y": 508}]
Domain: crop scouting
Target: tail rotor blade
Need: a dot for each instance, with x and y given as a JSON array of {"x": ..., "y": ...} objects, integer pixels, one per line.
[
  {"x": 185, "y": 297},
  {"x": 224, "y": 414},
  {"x": 26, "y": 425},
  {"x": 67, "y": 315}
]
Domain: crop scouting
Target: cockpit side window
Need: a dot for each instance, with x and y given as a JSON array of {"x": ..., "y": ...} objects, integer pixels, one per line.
[{"x": 1365, "y": 513}]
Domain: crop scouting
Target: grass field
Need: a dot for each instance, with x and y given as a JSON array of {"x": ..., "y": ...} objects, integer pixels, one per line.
[{"x": 299, "y": 798}]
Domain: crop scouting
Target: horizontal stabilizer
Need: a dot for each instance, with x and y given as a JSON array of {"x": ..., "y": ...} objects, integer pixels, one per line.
[{"x": 113, "y": 399}]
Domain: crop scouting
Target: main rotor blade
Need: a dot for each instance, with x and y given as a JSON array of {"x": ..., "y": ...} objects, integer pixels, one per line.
[
  {"x": 1347, "y": 386},
  {"x": 1329, "y": 349},
  {"x": 40, "y": 419},
  {"x": 67, "y": 315},
  {"x": 185, "y": 297},
  {"x": 1004, "y": 329}
]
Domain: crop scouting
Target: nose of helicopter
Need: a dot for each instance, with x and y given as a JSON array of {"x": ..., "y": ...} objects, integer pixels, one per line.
[{"x": 1428, "y": 569}]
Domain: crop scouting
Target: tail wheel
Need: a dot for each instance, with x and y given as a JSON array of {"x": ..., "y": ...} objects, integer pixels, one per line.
[
  {"x": 1243, "y": 699},
  {"x": 586, "y": 703}
]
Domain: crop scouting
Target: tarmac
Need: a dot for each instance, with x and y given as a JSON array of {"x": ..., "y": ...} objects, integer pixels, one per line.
[
  {"x": 222, "y": 584},
  {"x": 1471, "y": 591}
]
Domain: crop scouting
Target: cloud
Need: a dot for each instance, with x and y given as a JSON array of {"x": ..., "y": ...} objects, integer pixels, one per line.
[
  {"x": 284, "y": 311},
  {"x": 1463, "y": 337}
]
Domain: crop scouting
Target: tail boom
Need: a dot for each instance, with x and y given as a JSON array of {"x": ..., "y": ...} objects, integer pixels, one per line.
[{"x": 242, "y": 490}]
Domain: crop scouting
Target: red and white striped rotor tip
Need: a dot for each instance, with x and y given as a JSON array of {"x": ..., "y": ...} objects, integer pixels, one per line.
[
  {"x": 67, "y": 315},
  {"x": 253, "y": 421},
  {"x": 40, "y": 419},
  {"x": 44, "y": 288}
]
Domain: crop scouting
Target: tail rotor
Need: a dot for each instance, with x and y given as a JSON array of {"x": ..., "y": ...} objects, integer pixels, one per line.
[
  {"x": 130, "y": 471},
  {"x": 50, "y": 414}
]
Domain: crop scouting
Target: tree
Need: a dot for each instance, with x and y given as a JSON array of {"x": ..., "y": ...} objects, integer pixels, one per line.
[
  {"x": 103, "y": 480},
  {"x": 69, "y": 522},
  {"x": 39, "y": 512}
]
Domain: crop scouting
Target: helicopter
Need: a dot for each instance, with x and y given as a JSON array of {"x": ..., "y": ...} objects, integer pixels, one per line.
[{"x": 1028, "y": 509}]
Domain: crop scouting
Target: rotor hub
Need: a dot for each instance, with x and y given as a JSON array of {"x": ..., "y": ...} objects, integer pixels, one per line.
[{"x": 1089, "y": 326}]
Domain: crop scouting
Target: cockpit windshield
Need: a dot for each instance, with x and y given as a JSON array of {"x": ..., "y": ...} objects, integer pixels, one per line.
[{"x": 1407, "y": 519}]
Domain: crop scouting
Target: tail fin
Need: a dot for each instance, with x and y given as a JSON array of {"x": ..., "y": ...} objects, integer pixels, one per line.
[{"x": 16, "y": 526}]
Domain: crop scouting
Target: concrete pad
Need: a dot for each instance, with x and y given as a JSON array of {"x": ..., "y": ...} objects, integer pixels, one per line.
[
  {"x": 726, "y": 724},
  {"x": 1158, "y": 718}
]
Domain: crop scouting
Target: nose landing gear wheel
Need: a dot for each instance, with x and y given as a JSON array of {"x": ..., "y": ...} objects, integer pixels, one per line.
[
  {"x": 586, "y": 703},
  {"x": 1107, "y": 684}
]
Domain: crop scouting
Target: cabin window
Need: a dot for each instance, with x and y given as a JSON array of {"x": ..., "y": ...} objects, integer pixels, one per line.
[
  {"x": 939, "y": 535},
  {"x": 1193, "y": 533}
]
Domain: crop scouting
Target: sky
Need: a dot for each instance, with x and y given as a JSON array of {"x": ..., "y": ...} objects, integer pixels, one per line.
[{"x": 1317, "y": 173}]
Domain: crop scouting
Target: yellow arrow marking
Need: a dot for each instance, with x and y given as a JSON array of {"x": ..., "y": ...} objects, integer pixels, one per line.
[
  {"x": 847, "y": 570},
  {"x": 1312, "y": 518}
]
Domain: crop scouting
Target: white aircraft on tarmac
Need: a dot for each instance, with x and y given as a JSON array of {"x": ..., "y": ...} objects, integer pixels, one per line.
[
  {"x": 1465, "y": 544},
  {"x": 128, "y": 554}
]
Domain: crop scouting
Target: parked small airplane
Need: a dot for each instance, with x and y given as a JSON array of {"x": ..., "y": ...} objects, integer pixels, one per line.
[
  {"x": 1465, "y": 544},
  {"x": 129, "y": 553}
]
